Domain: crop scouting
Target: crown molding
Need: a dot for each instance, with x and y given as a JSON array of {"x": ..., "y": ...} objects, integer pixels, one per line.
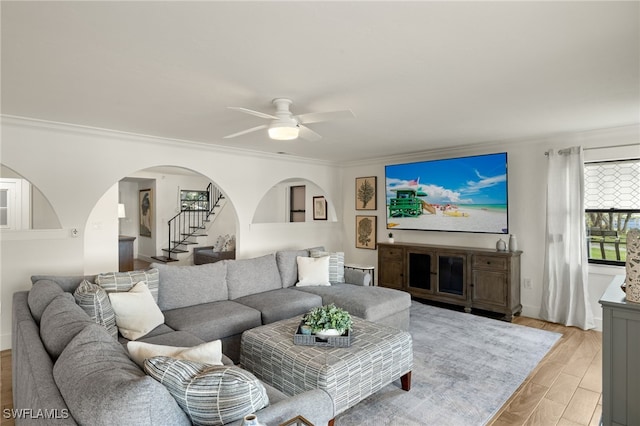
[{"x": 55, "y": 126}]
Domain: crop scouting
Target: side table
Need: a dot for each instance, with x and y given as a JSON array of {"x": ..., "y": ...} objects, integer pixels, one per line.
[
  {"x": 125, "y": 253},
  {"x": 364, "y": 268}
]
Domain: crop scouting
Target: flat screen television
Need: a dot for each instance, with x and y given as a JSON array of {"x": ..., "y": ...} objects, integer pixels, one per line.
[{"x": 464, "y": 194}]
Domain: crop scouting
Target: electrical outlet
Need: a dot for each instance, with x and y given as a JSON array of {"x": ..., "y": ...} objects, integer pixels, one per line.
[{"x": 526, "y": 283}]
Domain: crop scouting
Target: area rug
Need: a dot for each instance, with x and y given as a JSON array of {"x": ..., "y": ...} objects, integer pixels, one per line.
[{"x": 465, "y": 367}]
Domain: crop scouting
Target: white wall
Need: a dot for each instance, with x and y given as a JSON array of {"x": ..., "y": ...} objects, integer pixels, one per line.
[
  {"x": 527, "y": 193},
  {"x": 75, "y": 167}
]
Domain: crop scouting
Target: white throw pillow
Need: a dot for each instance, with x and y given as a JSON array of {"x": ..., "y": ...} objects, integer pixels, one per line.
[
  {"x": 313, "y": 271},
  {"x": 206, "y": 353},
  {"x": 136, "y": 311}
]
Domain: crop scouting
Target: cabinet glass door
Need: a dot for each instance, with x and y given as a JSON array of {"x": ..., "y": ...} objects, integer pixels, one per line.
[
  {"x": 420, "y": 270},
  {"x": 451, "y": 275}
]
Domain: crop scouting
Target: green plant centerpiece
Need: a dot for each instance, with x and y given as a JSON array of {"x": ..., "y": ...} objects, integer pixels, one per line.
[{"x": 328, "y": 317}]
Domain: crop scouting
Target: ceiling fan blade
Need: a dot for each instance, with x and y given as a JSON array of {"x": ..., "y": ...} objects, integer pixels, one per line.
[
  {"x": 252, "y": 112},
  {"x": 315, "y": 117},
  {"x": 308, "y": 134},
  {"x": 244, "y": 132}
]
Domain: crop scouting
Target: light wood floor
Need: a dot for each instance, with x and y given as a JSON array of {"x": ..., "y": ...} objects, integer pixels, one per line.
[{"x": 565, "y": 389}]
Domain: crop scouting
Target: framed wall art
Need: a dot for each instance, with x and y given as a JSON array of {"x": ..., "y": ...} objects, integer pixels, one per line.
[
  {"x": 366, "y": 232},
  {"x": 146, "y": 212},
  {"x": 319, "y": 208},
  {"x": 366, "y": 193}
]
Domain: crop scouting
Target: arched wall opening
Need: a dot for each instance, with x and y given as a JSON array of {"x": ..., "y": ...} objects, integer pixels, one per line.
[
  {"x": 22, "y": 205},
  {"x": 276, "y": 206},
  {"x": 151, "y": 197}
]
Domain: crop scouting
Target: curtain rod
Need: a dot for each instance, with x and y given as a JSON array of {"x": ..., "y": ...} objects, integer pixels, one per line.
[{"x": 566, "y": 150}]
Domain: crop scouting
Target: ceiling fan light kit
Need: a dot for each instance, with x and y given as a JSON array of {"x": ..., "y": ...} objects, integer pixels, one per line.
[
  {"x": 285, "y": 126},
  {"x": 283, "y": 131}
]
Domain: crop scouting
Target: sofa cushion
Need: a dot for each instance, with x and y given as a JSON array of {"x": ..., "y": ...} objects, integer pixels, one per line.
[
  {"x": 250, "y": 276},
  {"x": 114, "y": 282},
  {"x": 94, "y": 301},
  {"x": 209, "y": 395},
  {"x": 286, "y": 261},
  {"x": 369, "y": 303},
  {"x": 283, "y": 303},
  {"x": 313, "y": 271},
  {"x": 190, "y": 285},
  {"x": 41, "y": 294},
  {"x": 136, "y": 311},
  {"x": 336, "y": 264},
  {"x": 102, "y": 386},
  {"x": 67, "y": 282},
  {"x": 215, "y": 320},
  {"x": 61, "y": 321},
  {"x": 206, "y": 353}
]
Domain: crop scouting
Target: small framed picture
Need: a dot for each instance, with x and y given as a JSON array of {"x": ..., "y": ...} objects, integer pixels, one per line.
[
  {"x": 319, "y": 208},
  {"x": 366, "y": 232},
  {"x": 366, "y": 193}
]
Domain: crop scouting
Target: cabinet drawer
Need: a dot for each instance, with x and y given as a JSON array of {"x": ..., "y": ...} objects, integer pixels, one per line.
[
  {"x": 490, "y": 262},
  {"x": 393, "y": 253}
]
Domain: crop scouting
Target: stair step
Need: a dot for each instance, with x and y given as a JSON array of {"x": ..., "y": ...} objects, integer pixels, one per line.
[
  {"x": 175, "y": 250},
  {"x": 194, "y": 235},
  {"x": 164, "y": 259},
  {"x": 185, "y": 243},
  {"x": 197, "y": 227}
]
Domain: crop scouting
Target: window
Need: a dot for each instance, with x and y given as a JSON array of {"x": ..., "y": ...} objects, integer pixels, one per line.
[
  {"x": 194, "y": 200},
  {"x": 297, "y": 200},
  {"x": 612, "y": 208}
]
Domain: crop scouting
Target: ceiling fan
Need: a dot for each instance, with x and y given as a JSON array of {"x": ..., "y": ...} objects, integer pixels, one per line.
[{"x": 286, "y": 126}]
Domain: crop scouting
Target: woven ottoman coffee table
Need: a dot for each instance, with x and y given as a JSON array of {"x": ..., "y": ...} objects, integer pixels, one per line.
[{"x": 378, "y": 355}]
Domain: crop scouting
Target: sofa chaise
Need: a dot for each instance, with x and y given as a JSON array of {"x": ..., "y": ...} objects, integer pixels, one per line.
[{"x": 63, "y": 361}]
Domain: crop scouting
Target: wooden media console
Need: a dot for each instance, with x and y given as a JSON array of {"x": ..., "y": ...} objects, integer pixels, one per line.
[{"x": 474, "y": 278}]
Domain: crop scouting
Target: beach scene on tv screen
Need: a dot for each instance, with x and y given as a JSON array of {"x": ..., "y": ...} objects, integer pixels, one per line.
[{"x": 466, "y": 194}]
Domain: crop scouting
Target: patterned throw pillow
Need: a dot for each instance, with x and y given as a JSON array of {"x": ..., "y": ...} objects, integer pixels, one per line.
[
  {"x": 95, "y": 302},
  {"x": 114, "y": 282},
  {"x": 209, "y": 395},
  {"x": 336, "y": 264}
]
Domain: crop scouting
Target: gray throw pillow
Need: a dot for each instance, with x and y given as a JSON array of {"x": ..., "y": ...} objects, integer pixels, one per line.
[
  {"x": 209, "y": 395},
  {"x": 95, "y": 302}
]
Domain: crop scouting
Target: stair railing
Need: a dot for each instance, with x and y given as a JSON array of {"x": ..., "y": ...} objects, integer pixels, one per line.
[{"x": 189, "y": 223}]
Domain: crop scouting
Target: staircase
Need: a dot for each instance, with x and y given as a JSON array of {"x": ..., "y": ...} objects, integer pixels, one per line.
[{"x": 189, "y": 224}]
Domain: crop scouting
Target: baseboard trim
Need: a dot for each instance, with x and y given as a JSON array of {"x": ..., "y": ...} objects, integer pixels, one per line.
[{"x": 534, "y": 312}]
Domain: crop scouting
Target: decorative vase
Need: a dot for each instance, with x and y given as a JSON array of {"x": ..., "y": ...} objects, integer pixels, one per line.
[
  {"x": 501, "y": 245},
  {"x": 251, "y": 420},
  {"x": 632, "y": 266},
  {"x": 305, "y": 329},
  {"x": 391, "y": 240},
  {"x": 513, "y": 244},
  {"x": 329, "y": 332}
]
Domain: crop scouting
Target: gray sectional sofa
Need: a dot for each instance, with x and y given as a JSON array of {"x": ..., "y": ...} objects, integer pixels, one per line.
[{"x": 67, "y": 363}]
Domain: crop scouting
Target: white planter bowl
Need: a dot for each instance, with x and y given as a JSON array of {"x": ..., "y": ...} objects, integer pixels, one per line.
[{"x": 325, "y": 334}]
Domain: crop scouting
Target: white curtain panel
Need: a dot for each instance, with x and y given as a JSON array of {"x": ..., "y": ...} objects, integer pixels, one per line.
[{"x": 565, "y": 296}]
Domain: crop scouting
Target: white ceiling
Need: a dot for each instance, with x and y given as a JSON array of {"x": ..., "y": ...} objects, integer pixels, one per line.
[{"x": 417, "y": 75}]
